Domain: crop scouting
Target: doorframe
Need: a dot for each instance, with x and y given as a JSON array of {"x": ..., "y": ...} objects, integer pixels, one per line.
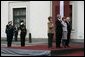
[{"x": 54, "y": 12}]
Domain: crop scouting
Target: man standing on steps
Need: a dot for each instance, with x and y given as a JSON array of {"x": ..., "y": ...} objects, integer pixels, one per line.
[
  {"x": 69, "y": 28},
  {"x": 9, "y": 32},
  {"x": 58, "y": 30},
  {"x": 23, "y": 33}
]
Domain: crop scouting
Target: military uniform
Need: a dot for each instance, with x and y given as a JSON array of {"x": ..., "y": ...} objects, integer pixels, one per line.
[
  {"x": 9, "y": 31},
  {"x": 23, "y": 34},
  {"x": 16, "y": 33}
]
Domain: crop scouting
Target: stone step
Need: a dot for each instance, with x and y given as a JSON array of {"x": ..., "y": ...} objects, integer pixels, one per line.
[{"x": 65, "y": 51}]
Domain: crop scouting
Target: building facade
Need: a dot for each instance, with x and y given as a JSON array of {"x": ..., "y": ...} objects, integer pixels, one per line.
[{"x": 35, "y": 15}]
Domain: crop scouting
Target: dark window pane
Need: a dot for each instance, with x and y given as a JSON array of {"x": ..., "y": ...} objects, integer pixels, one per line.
[{"x": 18, "y": 15}]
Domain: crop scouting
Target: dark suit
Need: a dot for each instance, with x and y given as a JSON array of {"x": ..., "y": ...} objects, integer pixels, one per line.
[
  {"x": 23, "y": 34},
  {"x": 15, "y": 33},
  {"x": 9, "y": 31},
  {"x": 58, "y": 33},
  {"x": 69, "y": 27}
]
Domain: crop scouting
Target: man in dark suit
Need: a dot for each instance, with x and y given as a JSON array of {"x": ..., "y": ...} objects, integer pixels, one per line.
[
  {"x": 23, "y": 33},
  {"x": 9, "y": 32},
  {"x": 69, "y": 27},
  {"x": 58, "y": 31}
]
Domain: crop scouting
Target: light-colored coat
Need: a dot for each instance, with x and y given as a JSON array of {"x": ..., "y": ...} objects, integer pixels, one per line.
[
  {"x": 50, "y": 27},
  {"x": 64, "y": 26},
  {"x": 64, "y": 36}
]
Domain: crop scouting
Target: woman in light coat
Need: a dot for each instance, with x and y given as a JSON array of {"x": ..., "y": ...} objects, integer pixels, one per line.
[
  {"x": 64, "y": 36},
  {"x": 50, "y": 31}
]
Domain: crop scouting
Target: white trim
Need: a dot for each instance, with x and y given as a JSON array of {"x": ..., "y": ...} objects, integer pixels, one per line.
[
  {"x": 50, "y": 8},
  {"x": 17, "y": 1},
  {"x": 62, "y": 8},
  {"x": 71, "y": 2}
]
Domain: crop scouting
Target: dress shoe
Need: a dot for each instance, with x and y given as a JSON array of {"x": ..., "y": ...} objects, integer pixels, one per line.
[{"x": 58, "y": 47}]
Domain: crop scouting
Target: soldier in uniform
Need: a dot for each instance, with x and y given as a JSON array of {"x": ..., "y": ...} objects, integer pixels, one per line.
[
  {"x": 16, "y": 32},
  {"x": 9, "y": 32},
  {"x": 22, "y": 33}
]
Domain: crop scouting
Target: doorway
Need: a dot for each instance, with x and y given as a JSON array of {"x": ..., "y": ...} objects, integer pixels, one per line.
[
  {"x": 56, "y": 10},
  {"x": 18, "y": 15}
]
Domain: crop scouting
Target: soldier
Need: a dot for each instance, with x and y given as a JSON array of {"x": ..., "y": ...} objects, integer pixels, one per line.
[
  {"x": 23, "y": 33},
  {"x": 16, "y": 32},
  {"x": 9, "y": 32}
]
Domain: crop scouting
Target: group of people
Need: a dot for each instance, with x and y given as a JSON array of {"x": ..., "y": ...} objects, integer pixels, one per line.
[
  {"x": 62, "y": 29},
  {"x": 13, "y": 31}
]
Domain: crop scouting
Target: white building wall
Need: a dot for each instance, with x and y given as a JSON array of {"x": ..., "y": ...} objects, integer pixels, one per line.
[
  {"x": 78, "y": 20},
  {"x": 4, "y": 17},
  {"x": 39, "y": 12},
  {"x": 37, "y": 21},
  {"x": 74, "y": 18}
]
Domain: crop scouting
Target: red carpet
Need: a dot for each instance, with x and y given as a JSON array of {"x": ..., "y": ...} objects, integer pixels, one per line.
[
  {"x": 74, "y": 50},
  {"x": 45, "y": 47},
  {"x": 79, "y": 53}
]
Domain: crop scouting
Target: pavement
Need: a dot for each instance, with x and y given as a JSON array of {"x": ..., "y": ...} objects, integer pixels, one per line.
[
  {"x": 5, "y": 51},
  {"x": 23, "y": 52},
  {"x": 27, "y": 43}
]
